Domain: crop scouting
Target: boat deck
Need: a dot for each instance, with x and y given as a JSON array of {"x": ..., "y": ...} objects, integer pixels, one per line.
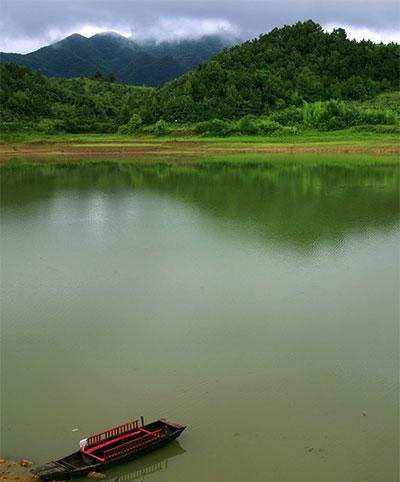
[{"x": 120, "y": 441}]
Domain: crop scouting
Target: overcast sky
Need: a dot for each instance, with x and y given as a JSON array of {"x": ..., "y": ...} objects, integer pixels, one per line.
[{"x": 29, "y": 24}]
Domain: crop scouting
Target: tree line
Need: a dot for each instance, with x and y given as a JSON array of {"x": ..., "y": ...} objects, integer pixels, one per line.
[{"x": 292, "y": 78}]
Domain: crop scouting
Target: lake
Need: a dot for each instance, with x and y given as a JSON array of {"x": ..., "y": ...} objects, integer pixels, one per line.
[{"x": 256, "y": 304}]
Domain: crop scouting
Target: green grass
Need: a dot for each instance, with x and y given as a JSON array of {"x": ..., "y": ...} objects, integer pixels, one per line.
[
  {"x": 311, "y": 138},
  {"x": 314, "y": 138}
]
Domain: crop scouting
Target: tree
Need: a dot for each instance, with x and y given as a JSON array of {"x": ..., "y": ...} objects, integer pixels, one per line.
[
  {"x": 97, "y": 75},
  {"x": 134, "y": 124},
  {"x": 110, "y": 77},
  {"x": 308, "y": 85}
]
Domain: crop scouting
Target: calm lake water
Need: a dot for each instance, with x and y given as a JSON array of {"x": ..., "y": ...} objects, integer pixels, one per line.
[{"x": 258, "y": 305}]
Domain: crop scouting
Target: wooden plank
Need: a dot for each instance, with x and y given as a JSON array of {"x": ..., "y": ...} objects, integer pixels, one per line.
[
  {"x": 110, "y": 441},
  {"x": 110, "y": 433}
]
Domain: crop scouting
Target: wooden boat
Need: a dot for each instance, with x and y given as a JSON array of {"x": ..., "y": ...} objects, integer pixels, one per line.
[{"x": 111, "y": 447}]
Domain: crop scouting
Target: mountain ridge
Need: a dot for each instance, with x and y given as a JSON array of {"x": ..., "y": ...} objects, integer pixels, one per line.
[{"x": 140, "y": 63}]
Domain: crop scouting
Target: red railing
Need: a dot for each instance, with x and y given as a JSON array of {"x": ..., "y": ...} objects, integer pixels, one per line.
[
  {"x": 112, "y": 433},
  {"x": 132, "y": 445}
]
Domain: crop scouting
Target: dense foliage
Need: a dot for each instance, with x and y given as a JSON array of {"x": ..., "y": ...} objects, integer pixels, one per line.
[
  {"x": 148, "y": 63},
  {"x": 291, "y": 79},
  {"x": 30, "y": 100},
  {"x": 323, "y": 116},
  {"x": 286, "y": 67}
]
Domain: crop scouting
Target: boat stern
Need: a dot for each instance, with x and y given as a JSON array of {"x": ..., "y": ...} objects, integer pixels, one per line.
[{"x": 174, "y": 425}]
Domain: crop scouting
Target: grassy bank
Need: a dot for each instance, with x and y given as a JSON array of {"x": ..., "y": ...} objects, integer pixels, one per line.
[
  {"x": 359, "y": 147},
  {"x": 346, "y": 137}
]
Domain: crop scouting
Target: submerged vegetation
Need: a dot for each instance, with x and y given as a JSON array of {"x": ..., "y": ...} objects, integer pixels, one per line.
[{"x": 291, "y": 80}]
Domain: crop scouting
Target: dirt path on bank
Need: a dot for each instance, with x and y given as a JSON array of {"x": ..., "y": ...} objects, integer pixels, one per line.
[{"x": 172, "y": 150}]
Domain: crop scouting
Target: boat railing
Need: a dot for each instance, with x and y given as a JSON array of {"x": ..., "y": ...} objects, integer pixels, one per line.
[
  {"x": 131, "y": 445},
  {"x": 112, "y": 433}
]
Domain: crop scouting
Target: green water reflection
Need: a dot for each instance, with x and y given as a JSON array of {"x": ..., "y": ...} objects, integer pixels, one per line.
[
  {"x": 256, "y": 304},
  {"x": 296, "y": 205}
]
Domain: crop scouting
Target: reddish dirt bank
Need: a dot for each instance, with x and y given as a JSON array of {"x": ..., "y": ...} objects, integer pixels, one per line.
[{"x": 178, "y": 150}]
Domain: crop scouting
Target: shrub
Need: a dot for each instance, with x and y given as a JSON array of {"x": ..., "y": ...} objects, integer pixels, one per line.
[
  {"x": 215, "y": 127},
  {"x": 160, "y": 128},
  {"x": 50, "y": 126},
  {"x": 248, "y": 125},
  {"x": 374, "y": 116},
  {"x": 386, "y": 100},
  {"x": 330, "y": 115},
  {"x": 104, "y": 127},
  {"x": 268, "y": 126},
  {"x": 286, "y": 131},
  {"x": 132, "y": 126},
  {"x": 18, "y": 126},
  {"x": 289, "y": 116},
  {"x": 333, "y": 114}
]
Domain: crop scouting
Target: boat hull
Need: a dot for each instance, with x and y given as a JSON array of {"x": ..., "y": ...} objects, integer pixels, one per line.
[{"x": 77, "y": 465}]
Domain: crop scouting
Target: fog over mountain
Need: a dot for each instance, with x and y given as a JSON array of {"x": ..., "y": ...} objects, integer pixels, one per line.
[
  {"x": 142, "y": 63},
  {"x": 29, "y": 24}
]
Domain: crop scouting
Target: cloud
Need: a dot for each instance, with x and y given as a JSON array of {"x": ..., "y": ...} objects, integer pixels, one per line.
[
  {"x": 164, "y": 29},
  {"x": 90, "y": 30},
  {"x": 177, "y": 28},
  {"x": 28, "y": 24},
  {"x": 365, "y": 33}
]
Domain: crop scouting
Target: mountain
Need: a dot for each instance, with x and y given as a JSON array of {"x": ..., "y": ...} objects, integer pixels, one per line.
[
  {"x": 147, "y": 63},
  {"x": 283, "y": 68},
  {"x": 297, "y": 76}
]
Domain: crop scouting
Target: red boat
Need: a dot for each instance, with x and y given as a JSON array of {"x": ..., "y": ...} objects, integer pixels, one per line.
[{"x": 113, "y": 446}]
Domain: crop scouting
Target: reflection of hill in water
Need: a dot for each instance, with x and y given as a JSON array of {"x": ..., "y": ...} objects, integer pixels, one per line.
[{"x": 297, "y": 205}]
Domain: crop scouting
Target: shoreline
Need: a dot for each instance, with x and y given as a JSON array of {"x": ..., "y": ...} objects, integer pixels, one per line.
[
  {"x": 96, "y": 147},
  {"x": 10, "y": 470}
]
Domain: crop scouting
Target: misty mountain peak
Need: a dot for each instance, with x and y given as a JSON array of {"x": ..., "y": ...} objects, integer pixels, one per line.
[{"x": 139, "y": 62}]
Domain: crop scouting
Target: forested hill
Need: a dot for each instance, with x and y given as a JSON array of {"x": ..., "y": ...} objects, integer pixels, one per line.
[
  {"x": 298, "y": 76},
  {"x": 146, "y": 63},
  {"x": 285, "y": 67}
]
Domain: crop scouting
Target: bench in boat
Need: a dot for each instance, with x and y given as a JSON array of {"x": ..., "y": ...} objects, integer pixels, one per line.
[{"x": 119, "y": 440}]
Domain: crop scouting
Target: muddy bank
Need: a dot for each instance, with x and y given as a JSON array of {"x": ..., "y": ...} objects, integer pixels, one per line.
[
  {"x": 12, "y": 470},
  {"x": 176, "y": 150}
]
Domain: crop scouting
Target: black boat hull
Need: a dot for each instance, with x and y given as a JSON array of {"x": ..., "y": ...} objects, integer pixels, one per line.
[{"x": 63, "y": 470}]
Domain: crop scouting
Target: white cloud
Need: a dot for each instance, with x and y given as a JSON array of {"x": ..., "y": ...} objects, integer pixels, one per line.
[
  {"x": 163, "y": 29},
  {"x": 166, "y": 29},
  {"x": 365, "y": 33},
  {"x": 90, "y": 30},
  {"x": 26, "y": 25}
]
